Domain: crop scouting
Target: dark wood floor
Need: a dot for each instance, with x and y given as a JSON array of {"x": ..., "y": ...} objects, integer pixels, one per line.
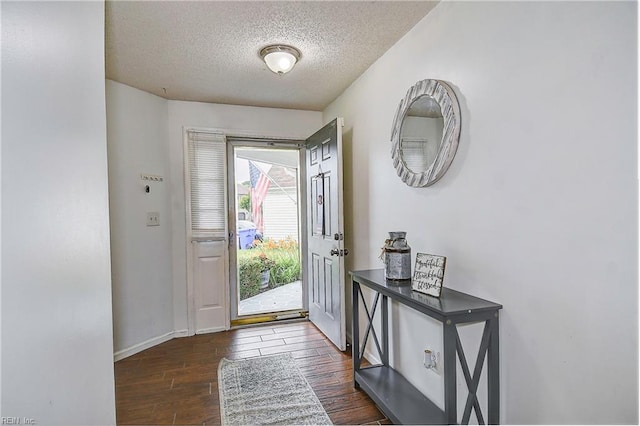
[{"x": 177, "y": 382}]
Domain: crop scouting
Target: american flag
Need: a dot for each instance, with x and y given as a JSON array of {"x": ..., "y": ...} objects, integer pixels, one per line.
[{"x": 259, "y": 188}]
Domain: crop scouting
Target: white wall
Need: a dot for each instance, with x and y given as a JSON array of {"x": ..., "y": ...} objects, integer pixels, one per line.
[
  {"x": 280, "y": 213},
  {"x": 241, "y": 120},
  {"x": 140, "y": 255},
  {"x": 539, "y": 208},
  {"x": 57, "y": 365},
  {"x": 149, "y": 263}
]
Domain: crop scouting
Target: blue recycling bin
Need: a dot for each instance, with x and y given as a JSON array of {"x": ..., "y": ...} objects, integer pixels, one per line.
[{"x": 246, "y": 237}]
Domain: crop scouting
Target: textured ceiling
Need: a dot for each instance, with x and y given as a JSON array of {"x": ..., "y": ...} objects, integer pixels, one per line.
[{"x": 208, "y": 51}]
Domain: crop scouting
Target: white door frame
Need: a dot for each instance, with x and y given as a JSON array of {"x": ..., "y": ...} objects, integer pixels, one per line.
[
  {"x": 232, "y": 133},
  {"x": 274, "y": 143}
]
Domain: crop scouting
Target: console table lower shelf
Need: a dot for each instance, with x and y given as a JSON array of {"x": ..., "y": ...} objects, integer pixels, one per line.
[{"x": 400, "y": 401}]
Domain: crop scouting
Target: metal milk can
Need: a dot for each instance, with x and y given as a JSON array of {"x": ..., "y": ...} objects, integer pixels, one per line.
[{"x": 397, "y": 257}]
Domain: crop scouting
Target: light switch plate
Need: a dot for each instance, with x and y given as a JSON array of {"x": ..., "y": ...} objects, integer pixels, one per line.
[{"x": 153, "y": 219}]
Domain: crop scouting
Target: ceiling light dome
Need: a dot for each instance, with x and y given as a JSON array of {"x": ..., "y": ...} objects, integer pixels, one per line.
[{"x": 280, "y": 58}]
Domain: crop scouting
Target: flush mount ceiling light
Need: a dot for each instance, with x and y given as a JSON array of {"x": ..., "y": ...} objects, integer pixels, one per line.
[{"x": 280, "y": 58}]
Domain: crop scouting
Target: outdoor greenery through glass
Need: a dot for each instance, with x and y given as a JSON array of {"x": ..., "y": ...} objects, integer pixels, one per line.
[{"x": 280, "y": 257}]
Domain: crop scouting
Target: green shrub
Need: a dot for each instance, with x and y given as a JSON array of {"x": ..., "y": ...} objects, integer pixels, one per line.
[
  {"x": 249, "y": 270},
  {"x": 287, "y": 267},
  {"x": 281, "y": 257}
]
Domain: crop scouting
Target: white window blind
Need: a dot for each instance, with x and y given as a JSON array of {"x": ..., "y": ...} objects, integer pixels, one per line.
[
  {"x": 207, "y": 168},
  {"x": 417, "y": 154}
]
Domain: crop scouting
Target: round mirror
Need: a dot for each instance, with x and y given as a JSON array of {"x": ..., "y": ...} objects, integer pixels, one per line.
[{"x": 425, "y": 133}]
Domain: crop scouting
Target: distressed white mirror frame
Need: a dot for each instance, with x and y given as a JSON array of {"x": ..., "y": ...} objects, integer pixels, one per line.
[{"x": 444, "y": 95}]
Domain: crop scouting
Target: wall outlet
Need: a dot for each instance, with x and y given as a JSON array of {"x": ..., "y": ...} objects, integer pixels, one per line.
[
  {"x": 432, "y": 361},
  {"x": 153, "y": 219}
]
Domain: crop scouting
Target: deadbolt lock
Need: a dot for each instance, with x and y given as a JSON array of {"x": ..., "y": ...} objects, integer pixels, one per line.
[{"x": 336, "y": 252}]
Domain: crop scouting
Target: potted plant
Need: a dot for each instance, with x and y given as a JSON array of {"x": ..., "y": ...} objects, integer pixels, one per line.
[{"x": 265, "y": 269}]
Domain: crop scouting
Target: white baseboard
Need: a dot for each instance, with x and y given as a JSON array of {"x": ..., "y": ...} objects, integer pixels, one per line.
[
  {"x": 210, "y": 330},
  {"x": 124, "y": 353},
  {"x": 181, "y": 333},
  {"x": 373, "y": 359}
]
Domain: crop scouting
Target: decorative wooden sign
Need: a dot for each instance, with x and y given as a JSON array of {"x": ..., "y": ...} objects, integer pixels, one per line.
[{"x": 428, "y": 274}]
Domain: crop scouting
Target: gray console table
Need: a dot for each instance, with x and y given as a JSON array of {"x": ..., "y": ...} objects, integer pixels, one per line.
[{"x": 400, "y": 401}]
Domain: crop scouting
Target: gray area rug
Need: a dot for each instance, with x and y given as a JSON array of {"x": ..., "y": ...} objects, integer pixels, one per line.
[{"x": 267, "y": 390}]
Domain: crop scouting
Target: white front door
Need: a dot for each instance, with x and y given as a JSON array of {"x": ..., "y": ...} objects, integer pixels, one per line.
[
  {"x": 325, "y": 223},
  {"x": 210, "y": 284}
]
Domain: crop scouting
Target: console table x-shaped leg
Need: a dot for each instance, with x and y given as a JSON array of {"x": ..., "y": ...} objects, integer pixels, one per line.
[{"x": 489, "y": 345}]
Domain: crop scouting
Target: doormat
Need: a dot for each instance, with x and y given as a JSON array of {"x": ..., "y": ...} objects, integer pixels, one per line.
[{"x": 267, "y": 390}]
